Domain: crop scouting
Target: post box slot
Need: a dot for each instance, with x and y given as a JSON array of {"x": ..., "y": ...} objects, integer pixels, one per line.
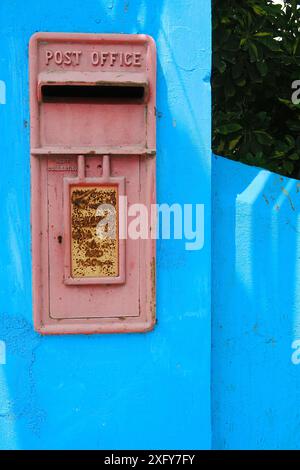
[
  {"x": 96, "y": 93},
  {"x": 93, "y": 254}
]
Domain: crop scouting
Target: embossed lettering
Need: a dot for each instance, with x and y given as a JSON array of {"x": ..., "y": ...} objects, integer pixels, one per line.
[
  {"x": 58, "y": 57},
  {"x": 77, "y": 55},
  {"x": 95, "y": 58},
  {"x": 68, "y": 60},
  {"x": 104, "y": 56},
  {"x": 137, "y": 59},
  {"x": 128, "y": 59}
]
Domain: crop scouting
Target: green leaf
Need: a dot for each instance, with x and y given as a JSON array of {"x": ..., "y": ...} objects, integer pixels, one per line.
[
  {"x": 262, "y": 35},
  {"x": 221, "y": 146},
  {"x": 284, "y": 101},
  {"x": 237, "y": 70},
  {"x": 233, "y": 143},
  {"x": 256, "y": 57},
  {"x": 270, "y": 43},
  {"x": 293, "y": 125},
  {"x": 263, "y": 137},
  {"x": 290, "y": 141},
  {"x": 258, "y": 10},
  {"x": 288, "y": 167},
  {"x": 253, "y": 51},
  {"x": 222, "y": 66},
  {"x": 225, "y": 20},
  {"x": 242, "y": 82},
  {"x": 262, "y": 68}
]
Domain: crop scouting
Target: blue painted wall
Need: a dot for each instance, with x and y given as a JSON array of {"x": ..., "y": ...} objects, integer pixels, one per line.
[
  {"x": 127, "y": 391},
  {"x": 255, "y": 308}
]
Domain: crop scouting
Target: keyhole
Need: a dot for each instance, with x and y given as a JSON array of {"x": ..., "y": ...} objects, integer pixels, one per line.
[{"x": 59, "y": 239}]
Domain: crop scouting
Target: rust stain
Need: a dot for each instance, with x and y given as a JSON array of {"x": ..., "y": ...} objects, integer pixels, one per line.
[
  {"x": 287, "y": 194},
  {"x": 153, "y": 290},
  {"x": 92, "y": 255}
]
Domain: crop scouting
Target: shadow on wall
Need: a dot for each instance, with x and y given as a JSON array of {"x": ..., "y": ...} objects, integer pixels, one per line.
[{"x": 255, "y": 308}]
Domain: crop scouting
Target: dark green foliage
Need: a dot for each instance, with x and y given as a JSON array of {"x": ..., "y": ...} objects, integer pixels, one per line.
[{"x": 256, "y": 57}]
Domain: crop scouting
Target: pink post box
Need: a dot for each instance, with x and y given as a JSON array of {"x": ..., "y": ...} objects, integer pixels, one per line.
[{"x": 93, "y": 148}]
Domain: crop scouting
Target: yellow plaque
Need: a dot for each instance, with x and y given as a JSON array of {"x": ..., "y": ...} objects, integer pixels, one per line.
[{"x": 94, "y": 231}]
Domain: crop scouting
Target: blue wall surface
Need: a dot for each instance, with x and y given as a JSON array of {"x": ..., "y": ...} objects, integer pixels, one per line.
[
  {"x": 255, "y": 308},
  {"x": 154, "y": 390},
  {"x": 116, "y": 391}
]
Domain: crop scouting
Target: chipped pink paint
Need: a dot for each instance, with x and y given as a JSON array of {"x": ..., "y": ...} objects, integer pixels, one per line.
[{"x": 70, "y": 142}]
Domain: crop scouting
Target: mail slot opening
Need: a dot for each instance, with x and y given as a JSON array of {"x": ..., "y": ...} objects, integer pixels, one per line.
[
  {"x": 95, "y": 93},
  {"x": 93, "y": 156}
]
